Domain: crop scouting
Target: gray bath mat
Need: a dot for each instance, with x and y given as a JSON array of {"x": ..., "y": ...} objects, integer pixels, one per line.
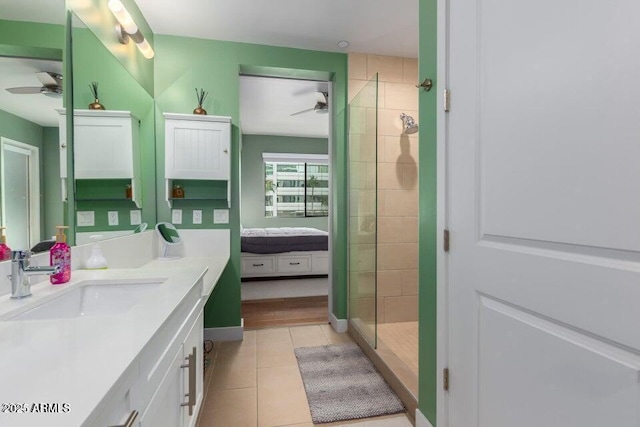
[{"x": 342, "y": 384}]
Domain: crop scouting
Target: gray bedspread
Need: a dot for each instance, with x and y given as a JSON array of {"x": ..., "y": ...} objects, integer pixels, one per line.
[{"x": 284, "y": 239}]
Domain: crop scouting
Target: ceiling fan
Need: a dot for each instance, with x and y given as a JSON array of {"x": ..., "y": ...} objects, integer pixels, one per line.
[
  {"x": 51, "y": 85},
  {"x": 321, "y": 107}
]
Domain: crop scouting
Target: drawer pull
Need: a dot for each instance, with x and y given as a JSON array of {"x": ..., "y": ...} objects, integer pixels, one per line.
[
  {"x": 130, "y": 420},
  {"x": 294, "y": 263},
  {"x": 191, "y": 364},
  {"x": 259, "y": 265}
]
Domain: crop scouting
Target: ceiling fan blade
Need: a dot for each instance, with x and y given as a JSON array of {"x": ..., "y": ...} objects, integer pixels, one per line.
[
  {"x": 303, "y": 111},
  {"x": 48, "y": 78},
  {"x": 23, "y": 90},
  {"x": 322, "y": 97}
]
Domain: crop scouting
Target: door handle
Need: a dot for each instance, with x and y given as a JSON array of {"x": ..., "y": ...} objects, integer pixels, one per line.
[
  {"x": 191, "y": 364},
  {"x": 129, "y": 423}
]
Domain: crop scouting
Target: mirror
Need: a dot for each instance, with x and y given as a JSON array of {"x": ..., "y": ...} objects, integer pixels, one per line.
[
  {"x": 113, "y": 148},
  {"x": 169, "y": 236},
  {"x": 31, "y": 193}
]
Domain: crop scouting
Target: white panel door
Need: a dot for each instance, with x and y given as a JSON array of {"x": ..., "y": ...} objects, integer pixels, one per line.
[{"x": 543, "y": 167}]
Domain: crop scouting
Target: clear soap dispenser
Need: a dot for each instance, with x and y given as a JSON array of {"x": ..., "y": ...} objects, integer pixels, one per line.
[{"x": 96, "y": 261}]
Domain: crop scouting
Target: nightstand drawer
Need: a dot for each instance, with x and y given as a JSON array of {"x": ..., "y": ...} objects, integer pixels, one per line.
[
  {"x": 294, "y": 264},
  {"x": 259, "y": 265}
]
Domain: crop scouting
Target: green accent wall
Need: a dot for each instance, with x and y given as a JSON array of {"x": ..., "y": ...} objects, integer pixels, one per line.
[
  {"x": 95, "y": 14},
  {"x": 118, "y": 90},
  {"x": 52, "y": 188},
  {"x": 42, "y": 41},
  {"x": 32, "y": 35},
  {"x": 427, "y": 334},
  {"x": 182, "y": 64},
  {"x": 252, "y": 178}
]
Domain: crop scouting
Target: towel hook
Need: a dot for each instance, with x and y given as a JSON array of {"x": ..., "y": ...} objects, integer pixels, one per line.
[{"x": 427, "y": 84}]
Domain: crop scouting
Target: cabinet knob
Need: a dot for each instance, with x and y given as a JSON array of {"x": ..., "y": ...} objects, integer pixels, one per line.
[
  {"x": 63, "y": 145},
  {"x": 225, "y": 150}
]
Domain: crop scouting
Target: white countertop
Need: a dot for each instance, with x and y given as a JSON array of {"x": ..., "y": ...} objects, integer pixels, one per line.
[{"x": 77, "y": 361}]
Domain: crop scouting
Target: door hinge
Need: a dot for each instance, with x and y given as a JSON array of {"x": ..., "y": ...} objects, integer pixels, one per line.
[
  {"x": 446, "y": 240},
  {"x": 445, "y": 379},
  {"x": 447, "y": 100}
]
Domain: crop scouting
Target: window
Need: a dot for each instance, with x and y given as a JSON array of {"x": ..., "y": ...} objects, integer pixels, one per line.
[{"x": 296, "y": 185}]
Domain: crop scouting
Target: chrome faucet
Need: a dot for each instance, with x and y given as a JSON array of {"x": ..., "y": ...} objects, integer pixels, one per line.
[{"x": 21, "y": 272}]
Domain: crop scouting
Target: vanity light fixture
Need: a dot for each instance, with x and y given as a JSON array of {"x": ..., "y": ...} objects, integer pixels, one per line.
[{"x": 127, "y": 29}]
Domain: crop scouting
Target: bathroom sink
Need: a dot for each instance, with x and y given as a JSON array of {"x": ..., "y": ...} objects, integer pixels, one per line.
[{"x": 93, "y": 298}]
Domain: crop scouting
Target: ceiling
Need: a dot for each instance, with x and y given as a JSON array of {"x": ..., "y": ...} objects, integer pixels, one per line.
[
  {"x": 379, "y": 27},
  {"x": 266, "y": 105},
  {"x": 37, "y": 108}
]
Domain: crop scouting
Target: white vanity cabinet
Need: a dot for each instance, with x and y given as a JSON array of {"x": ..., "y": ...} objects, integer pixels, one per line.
[
  {"x": 105, "y": 146},
  {"x": 197, "y": 148},
  {"x": 164, "y": 385}
]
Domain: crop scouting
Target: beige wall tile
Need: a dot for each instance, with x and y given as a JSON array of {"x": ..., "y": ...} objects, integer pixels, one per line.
[
  {"x": 358, "y": 120},
  {"x": 362, "y": 148},
  {"x": 308, "y": 336},
  {"x": 410, "y": 282},
  {"x": 390, "y": 229},
  {"x": 397, "y": 256},
  {"x": 390, "y": 176},
  {"x": 409, "y": 229},
  {"x": 393, "y": 200},
  {"x": 401, "y": 96},
  {"x": 362, "y": 257},
  {"x": 357, "y": 63},
  {"x": 236, "y": 408},
  {"x": 389, "y": 122},
  {"x": 273, "y": 385},
  {"x": 381, "y": 202},
  {"x": 380, "y": 313},
  {"x": 354, "y": 88},
  {"x": 400, "y": 149},
  {"x": 409, "y": 202},
  {"x": 409, "y": 176},
  {"x": 365, "y": 93},
  {"x": 389, "y": 283},
  {"x": 401, "y": 309},
  {"x": 410, "y": 71},
  {"x": 389, "y": 68}
]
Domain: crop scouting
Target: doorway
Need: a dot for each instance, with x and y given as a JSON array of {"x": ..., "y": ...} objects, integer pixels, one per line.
[
  {"x": 285, "y": 171},
  {"x": 20, "y": 193}
]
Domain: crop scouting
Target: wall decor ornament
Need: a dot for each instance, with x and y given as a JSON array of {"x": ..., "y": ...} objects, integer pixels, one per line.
[
  {"x": 95, "y": 105},
  {"x": 201, "y": 95}
]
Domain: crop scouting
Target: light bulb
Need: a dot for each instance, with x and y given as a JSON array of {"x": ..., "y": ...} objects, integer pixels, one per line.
[
  {"x": 123, "y": 17},
  {"x": 145, "y": 48}
]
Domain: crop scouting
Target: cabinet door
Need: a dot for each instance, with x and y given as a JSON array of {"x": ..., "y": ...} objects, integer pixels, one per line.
[
  {"x": 164, "y": 409},
  {"x": 194, "y": 343},
  {"x": 103, "y": 148},
  {"x": 197, "y": 149}
]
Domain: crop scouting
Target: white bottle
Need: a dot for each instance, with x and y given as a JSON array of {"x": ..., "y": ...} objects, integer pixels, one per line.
[{"x": 96, "y": 261}]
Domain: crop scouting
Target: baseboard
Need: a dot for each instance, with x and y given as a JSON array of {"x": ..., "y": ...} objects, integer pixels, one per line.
[
  {"x": 230, "y": 333},
  {"x": 421, "y": 420},
  {"x": 339, "y": 325}
]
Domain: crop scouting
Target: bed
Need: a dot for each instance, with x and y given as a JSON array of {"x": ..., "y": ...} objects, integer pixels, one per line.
[{"x": 284, "y": 251}]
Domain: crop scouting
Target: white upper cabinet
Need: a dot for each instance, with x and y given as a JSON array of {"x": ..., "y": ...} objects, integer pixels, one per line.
[
  {"x": 105, "y": 145},
  {"x": 197, "y": 147}
]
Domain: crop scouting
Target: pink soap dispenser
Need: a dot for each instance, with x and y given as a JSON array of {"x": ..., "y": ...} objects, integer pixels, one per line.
[
  {"x": 60, "y": 255},
  {"x": 5, "y": 251}
]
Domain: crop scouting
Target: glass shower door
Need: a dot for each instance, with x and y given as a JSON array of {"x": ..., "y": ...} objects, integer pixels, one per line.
[{"x": 362, "y": 177}]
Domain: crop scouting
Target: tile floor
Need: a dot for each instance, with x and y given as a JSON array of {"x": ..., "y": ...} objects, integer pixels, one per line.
[{"x": 256, "y": 382}]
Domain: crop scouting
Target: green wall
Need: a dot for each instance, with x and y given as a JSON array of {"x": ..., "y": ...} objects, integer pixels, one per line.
[
  {"x": 427, "y": 334},
  {"x": 252, "y": 178},
  {"x": 118, "y": 90},
  {"x": 182, "y": 64},
  {"x": 43, "y": 41},
  {"x": 52, "y": 189}
]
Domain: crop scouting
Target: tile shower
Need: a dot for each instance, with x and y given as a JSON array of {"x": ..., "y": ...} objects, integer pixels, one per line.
[{"x": 383, "y": 207}]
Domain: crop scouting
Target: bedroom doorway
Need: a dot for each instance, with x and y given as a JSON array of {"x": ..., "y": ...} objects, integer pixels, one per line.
[{"x": 285, "y": 174}]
